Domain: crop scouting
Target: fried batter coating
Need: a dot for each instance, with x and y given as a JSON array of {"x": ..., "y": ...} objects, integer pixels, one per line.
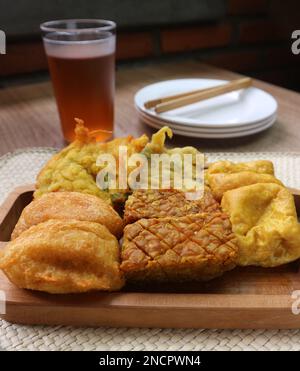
[
  {"x": 264, "y": 219},
  {"x": 75, "y": 169},
  {"x": 157, "y": 144},
  {"x": 168, "y": 202},
  {"x": 195, "y": 247},
  {"x": 69, "y": 205},
  {"x": 64, "y": 257},
  {"x": 223, "y": 176},
  {"x": 177, "y": 154},
  {"x": 257, "y": 166}
]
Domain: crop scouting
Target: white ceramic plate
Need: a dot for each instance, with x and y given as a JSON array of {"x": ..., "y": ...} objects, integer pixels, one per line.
[
  {"x": 197, "y": 134},
  {"x": 212, "y": 130},
  {"x": 235, "y": 109}
]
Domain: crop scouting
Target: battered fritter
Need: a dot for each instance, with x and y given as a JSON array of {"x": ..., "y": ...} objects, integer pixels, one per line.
[
  {"x": 64, "y": 257},
  {"x": 264, "y": 219},
  {"x": 223, "y": 176},
  {"x": 195, "y": 247},
  {"x": 69, "y": 205},
  {"x": 75, "y": 169},
  {"x": 163, "y": 203}
]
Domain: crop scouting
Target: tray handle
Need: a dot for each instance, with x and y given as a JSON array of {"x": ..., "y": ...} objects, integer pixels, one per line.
[{"x": 11, "y": 208}]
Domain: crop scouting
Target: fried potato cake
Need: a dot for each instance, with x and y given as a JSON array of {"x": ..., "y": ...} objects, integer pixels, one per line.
[
  {"x": 223, "y": 176},
  {"x": 264, "y": 219},
  {"x": 195, "y": 247},
  {"x": 168, "y": 202},
  {"x": 64, "y": 257},
  {"x": 69, "y": 205}
]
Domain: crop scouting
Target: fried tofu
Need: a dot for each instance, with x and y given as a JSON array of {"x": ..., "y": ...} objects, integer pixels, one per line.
[
  {"x": 164, "y": 203},
  {"x": 256, "y": 166},
  {"x": 195, "y": 247},
  {"x": 223, "y": 176},
  {"x": 69, "y": 205},
  {"x": 264, "y": 219},
  {"x": 64, "y": 257}
]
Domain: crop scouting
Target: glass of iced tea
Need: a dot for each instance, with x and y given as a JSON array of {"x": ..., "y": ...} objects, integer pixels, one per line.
[{"x": 81, "y": 57}]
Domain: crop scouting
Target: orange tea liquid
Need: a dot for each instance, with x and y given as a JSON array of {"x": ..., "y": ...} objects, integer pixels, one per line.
[{"x": 83, "y": 78}]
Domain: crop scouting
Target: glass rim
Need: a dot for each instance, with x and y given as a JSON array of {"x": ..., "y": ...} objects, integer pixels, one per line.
[{"x": 104, "y": 25}]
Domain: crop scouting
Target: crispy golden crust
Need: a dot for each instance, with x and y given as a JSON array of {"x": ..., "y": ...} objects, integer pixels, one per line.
[
  {"x": 163, "y": 203},
  {"x": 195, "y": 247},
  {"x": 221, "y": 183},
  {"x": 223, "y": 176},
  {"x": 69, "y": 205},
  {"x": 257, "y": 166},
  {"x": 64, "y": 257},
  {"x": 264, "y": 219},
  {"x": 75, "y": 168}
]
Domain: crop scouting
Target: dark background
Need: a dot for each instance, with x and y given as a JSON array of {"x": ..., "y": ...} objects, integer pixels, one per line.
[{"x": 248, "y": 36}]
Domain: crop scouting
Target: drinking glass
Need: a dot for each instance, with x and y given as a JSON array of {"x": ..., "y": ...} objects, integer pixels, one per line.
[{"x": 81, "y": 58}]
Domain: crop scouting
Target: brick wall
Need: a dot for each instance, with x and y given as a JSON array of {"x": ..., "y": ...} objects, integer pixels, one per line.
[{"x": 253, "y": 38}]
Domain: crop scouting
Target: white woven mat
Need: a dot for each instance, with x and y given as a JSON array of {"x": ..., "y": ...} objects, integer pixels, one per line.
[{"x": 20, "y": 168}]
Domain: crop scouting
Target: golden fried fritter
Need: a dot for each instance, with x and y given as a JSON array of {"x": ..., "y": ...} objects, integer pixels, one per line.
[
  {"x": 264, "y": 219},
  {"x": 69, "y": 205},
  {"x": 223, "y": 176},
  {"x": 256, "y": 166},
  {"x": 177, "y": 159},
  {"x": 64, "y": 257},
  {"x": 195, "y": 247},
  {"x": 75, "y": 169},
  {"x": 168, "y": 202},
  {"x": 157, "y": 144}
]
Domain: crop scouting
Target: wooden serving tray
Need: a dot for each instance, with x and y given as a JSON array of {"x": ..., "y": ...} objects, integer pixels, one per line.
[{"x": 243, "y": 298}]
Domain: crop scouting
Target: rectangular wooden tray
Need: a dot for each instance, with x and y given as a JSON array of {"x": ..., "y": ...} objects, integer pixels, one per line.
[{"x": 243, "y": 298}]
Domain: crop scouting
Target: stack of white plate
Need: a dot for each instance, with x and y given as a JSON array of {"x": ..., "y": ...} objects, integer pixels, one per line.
[{"x": 234, "y": 114}]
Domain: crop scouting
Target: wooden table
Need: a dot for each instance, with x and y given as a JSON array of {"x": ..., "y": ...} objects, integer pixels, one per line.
[{"x": 28, "y": 115}]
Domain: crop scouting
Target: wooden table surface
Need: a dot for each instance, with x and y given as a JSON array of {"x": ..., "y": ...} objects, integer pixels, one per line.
[{"x": 28, "y": 115}]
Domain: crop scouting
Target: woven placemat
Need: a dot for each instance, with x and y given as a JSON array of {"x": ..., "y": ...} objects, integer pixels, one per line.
[{"x": 21, "y": 168}]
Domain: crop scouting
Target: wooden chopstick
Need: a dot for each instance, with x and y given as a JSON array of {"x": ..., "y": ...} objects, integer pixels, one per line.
[
  {"x": 203, "y": 94},
  {"x": 154, "y": 102}
]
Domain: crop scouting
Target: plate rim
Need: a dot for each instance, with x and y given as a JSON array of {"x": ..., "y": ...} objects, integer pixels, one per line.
[
  {"x": 142, "y": 116},
  {"x": 215, "y": 136},
  {"x": 192, "y": 122}
]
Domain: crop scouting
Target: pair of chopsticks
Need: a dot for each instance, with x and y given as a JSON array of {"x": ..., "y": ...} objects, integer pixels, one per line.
[{"x": 180, "y": 100}]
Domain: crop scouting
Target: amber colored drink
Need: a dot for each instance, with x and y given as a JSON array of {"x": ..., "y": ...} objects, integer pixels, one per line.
[{"x": 83, "y": 78}]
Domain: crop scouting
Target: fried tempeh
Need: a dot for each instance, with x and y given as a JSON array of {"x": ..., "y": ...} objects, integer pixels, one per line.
[
  {"x": 166, "y": 203},
  {"x": 195, "y": 247}
]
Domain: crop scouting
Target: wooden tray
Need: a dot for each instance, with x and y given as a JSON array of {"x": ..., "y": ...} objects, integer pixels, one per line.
[{"x": 243, "y": 298}]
